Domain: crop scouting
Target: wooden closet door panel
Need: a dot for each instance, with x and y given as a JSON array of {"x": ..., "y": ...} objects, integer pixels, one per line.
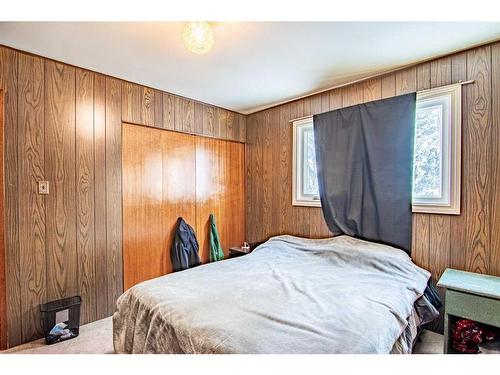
[
  {"x": 219, "y": 191},
  {"x": 142, "y": 204},
  {"x": 179, "y": 184},
  {"x": 158, "y": 187}
]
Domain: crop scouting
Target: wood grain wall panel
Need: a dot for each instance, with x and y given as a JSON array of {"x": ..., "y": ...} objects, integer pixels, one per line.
[
  {"x": 85, "y": 215},
  {"x": 60, "y": 242},
  {"x": 285, "y": 169},
  {"x": 208, "y": 121},
  {"x": 222, "y": 116},
  {"x": 423, "y": 76},
  {"x": 406, "y": 81},
  {"x": 158, "y": 109},
  {"x": 372, "y": 90},
  {"x": 138, "y": 104},
  {"x": 242, "y": 124},
  {"x": 31, "y": 210},
  {"x": 458, "y": 235},
  {"x": 179, "y": 194},
  {"x": 100, "y": 197},
  {"x": 352, "y": 95},
  {"x": 478, "y": 158},
  {"x": 220, "y": 191},
  {"x": 198, "y": 118},
  {"x": 143, "y": 248},
  {"x": 230, "y": 125},
  {"x": 494, "y": 260},
  {"x": 3, "y": 288},
  {"x": 388, "y": 85},
  {"x": 168, "y": 111},
  {"x": 113, "y": 192},
  {"x": 68, "y": 131},
  {"x": 3, "y": 285},
  {"x": 9, "y": 83},
  {"x": 184, "y": 115}
]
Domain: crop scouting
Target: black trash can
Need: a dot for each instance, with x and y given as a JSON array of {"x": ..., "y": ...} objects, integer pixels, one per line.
[{"x": 66, "y": 313}]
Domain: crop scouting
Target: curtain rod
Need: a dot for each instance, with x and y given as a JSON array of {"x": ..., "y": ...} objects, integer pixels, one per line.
[{"x": 461, "y": 83}]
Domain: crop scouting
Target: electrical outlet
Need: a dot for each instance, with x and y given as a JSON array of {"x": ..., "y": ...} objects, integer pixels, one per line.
[{"x": 43, "y": 187}]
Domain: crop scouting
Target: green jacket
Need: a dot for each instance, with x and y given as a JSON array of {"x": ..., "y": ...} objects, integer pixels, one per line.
[{"x": 216, "y": 252}]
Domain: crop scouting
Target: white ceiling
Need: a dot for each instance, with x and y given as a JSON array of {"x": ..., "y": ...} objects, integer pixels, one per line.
[{"x": 252, "y": 65}]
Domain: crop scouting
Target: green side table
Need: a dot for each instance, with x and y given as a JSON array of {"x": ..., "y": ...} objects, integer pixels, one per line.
[{"x": 471, "y": 296}]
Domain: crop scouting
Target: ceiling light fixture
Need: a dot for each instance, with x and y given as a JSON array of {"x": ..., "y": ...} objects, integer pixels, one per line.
[{"x": 198, "y": 37}]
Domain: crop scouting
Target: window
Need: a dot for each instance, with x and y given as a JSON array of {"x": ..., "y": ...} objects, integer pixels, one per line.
[
  {"x": 305, "y": 180},
  {"x": 436, "y": 164},
  {"x": 436, "y": 167}
]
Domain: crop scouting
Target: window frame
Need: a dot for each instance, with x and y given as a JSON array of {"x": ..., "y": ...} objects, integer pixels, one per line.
[
  {"x": 298, "y": 197},
  {"x": 451, "y": 151}
]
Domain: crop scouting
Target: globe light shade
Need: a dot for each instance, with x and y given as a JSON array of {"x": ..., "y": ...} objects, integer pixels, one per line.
[{"x": 198, "y": 37}]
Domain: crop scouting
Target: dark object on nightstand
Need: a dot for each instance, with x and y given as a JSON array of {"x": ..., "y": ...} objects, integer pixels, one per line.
[{"x": 238, "y": 251}]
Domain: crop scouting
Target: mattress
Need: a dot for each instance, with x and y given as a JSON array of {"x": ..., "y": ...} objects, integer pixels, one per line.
[{"x": 290, "y": 295}]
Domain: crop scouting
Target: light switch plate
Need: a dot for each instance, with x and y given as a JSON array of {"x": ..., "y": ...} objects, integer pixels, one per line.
[{"x": 43, "y": 187}]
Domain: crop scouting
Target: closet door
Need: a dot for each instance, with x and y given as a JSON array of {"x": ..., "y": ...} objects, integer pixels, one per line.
[
  {"x": 220, "y": 191},
  {"x": 158, "y": 187}
]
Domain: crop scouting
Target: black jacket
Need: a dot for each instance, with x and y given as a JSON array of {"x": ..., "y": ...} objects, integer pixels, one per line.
[{"x": 184, "y": 251}]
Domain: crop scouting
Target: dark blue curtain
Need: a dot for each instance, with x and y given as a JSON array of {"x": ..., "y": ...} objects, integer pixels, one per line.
[{"x": 364, "y": 157}]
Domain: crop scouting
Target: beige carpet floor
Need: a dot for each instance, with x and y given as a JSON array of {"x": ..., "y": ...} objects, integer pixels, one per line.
[{"x": 97, "y": 338}]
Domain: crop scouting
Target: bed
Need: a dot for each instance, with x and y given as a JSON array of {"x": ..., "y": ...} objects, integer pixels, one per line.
[{"x": 290, "y": 295}]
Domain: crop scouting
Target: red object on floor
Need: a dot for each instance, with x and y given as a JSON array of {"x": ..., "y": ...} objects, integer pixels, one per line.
[{"x": 466, "y": 335}]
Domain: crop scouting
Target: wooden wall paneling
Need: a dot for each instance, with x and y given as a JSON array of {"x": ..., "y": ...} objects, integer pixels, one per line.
[
  {"x": 242, "y": 125},
  {"x": 60, "y": 242},
  {"x": 388, "y": 85},
  {"x": 439, "y": 225},
  {"x": 113, "y": 192},
  {"x": 406, "y": 81},
  {"x": 138, "y": 104},
  {"x": 32, "y": 217},
  {"x": 285, "y": 169},
  {"x": 168, "y": 111},
  {"x": 9, "y": 83},
  {"x": 101, "y": 282},
  {"x": 255, "y": 175},
  {"x": 494, "y": 260},
  {"x": 219, "y": 191},
  {"x": 179, "y": 193},
  {"x": 222, "y": 117},
  {"x": 210, "y": 164},
  {"x": 458, "y": 222},
  {"x": 352, "y": 95},
  {"x": 208, "y": 121},
  {"x": 421, "y": 222},
  {"x": 372, "y": 90},
  {"x": 142, "y": 160},
  {"x": 3, "y": 288},
  {"x": 131, "y": 102},
  {"x": 158, "y": 109},
  {"x": 478, "y": 158},
  {"x": 249, "y": 179},
  {"x": 184, "y": 115},
  {"x": 198, "y": 118},
  {"x": 230, "y": 125},
  {"x": 85, "y": 228},
  {"x": 267, "y": 176}
]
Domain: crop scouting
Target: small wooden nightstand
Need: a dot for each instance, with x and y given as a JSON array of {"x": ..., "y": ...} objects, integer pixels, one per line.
[
  {"x": 471, "y": 296},
  {"x": 238, "y": 251}
]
